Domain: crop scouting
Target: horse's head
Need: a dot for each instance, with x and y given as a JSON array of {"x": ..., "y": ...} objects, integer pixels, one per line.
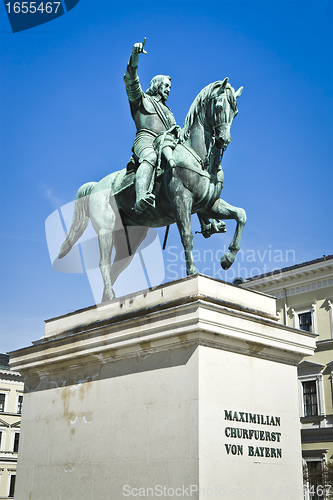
[{"x": 222, "y": 111}]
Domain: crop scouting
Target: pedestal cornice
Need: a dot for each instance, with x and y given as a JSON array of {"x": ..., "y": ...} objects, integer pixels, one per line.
[{"x": 193, "y": 311}]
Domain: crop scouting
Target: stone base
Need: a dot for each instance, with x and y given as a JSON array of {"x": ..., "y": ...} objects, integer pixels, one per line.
[{"x": 187, "y": 391}]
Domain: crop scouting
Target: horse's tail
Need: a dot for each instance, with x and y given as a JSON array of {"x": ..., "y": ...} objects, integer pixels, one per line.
[{"x": 80, "y": 218}]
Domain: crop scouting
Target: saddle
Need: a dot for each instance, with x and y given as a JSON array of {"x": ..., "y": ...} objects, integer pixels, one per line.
[{"x": 133, "y": 164}]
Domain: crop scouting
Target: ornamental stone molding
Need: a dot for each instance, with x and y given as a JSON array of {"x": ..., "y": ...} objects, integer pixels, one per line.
[
  {"x": 11, "y": 382},
  {"x": 203, "y": 311},
  {"x": 294, "y": 280},
  {"x": 304, "y": 288}
]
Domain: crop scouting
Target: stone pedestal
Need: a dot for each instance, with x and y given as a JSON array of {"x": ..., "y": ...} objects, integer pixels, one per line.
[{"x": 189, "y": 390}]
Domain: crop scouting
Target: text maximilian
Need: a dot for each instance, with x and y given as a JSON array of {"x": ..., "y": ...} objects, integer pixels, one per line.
[{"x": 251, "y": 418}]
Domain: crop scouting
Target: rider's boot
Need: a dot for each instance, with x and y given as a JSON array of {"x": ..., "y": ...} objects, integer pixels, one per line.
[{"x": 144, "y": 198}]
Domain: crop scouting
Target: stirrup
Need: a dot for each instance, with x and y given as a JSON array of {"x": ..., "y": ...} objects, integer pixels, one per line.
[{"x": 147, "y": 202}]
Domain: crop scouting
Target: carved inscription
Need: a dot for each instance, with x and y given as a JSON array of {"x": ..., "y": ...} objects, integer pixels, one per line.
[{"x": 264, "y": 443}]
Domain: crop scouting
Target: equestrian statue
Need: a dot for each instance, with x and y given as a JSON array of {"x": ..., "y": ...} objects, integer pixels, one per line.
[{"x": 173, "y": 173}]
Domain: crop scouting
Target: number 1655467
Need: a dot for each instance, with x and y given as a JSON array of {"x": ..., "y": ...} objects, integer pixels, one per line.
[{"x": 32, "y": 7}]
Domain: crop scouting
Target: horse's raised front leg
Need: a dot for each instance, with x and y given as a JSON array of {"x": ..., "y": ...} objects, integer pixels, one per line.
[
  {"x": 182, "y": 204},
  {"x": 222, "y": 210},
  {"x": 103, "y": 218}
]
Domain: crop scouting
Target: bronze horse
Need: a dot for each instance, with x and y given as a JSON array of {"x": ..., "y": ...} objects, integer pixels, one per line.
[{"x": 193, "y": 186}]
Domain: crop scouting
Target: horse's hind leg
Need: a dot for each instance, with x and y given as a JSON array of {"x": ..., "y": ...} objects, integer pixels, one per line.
[
  {"x": 105, "y": 248},
  {"x": 182, "y": 205},
  {"x": 222, "y": 210},
  {"x": 103, "y": 217}
]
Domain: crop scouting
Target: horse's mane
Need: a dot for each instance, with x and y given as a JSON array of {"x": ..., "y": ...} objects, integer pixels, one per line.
[
  {"x": 204, "y": 94},
  {"x": 195, "y": 106}
]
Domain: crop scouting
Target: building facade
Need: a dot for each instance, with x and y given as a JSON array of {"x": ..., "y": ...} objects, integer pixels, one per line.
[
  {"x": 11, "y": 398},
  {"x": 304, "y": 296}
]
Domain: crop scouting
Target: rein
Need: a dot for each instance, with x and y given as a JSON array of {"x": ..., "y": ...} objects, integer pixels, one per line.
[
  {"x": 201, "y": 161},
  {"x": 205, "y": 162}
]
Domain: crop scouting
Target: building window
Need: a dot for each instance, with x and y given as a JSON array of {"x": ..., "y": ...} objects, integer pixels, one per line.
[
  {"x": 310, "y": 398},
  {"x": 12, "y": 486},
  {"x": 2, "y": 402},
  {"x": 315, "y": 480},
  {"x": 19, "y": 404},
  {"x": 305, "y": 321},
  {"x": 311, "y": 390},
  {"x": 16, "y": 442},
  {"x": 2, "y": 440},
  {"x": 305, "y": 318}
]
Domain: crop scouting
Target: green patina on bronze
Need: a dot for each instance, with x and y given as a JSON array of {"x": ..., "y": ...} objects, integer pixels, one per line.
[
  {"x": 172, "y": 174},
  {"x": 157, "y": 131}
]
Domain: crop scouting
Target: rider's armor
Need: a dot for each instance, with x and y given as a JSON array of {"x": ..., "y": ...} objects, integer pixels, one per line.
[{"x": 151, "y": 116}]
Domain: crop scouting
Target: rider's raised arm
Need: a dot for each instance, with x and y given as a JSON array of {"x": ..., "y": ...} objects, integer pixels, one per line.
[{"x": 131, "y": 79}]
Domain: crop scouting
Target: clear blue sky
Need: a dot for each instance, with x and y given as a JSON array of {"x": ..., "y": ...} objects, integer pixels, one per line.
[{"x": 65, "y": 121}]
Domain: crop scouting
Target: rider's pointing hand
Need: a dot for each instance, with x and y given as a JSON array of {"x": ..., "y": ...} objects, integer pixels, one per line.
[{"x": 139, "y": 47}]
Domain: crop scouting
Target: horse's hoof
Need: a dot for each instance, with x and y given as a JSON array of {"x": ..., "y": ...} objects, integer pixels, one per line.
[
  {"x": 226, "y": 261},
  {"x": 107, "y": 297},
  {"x": 192, "y": 270}
]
